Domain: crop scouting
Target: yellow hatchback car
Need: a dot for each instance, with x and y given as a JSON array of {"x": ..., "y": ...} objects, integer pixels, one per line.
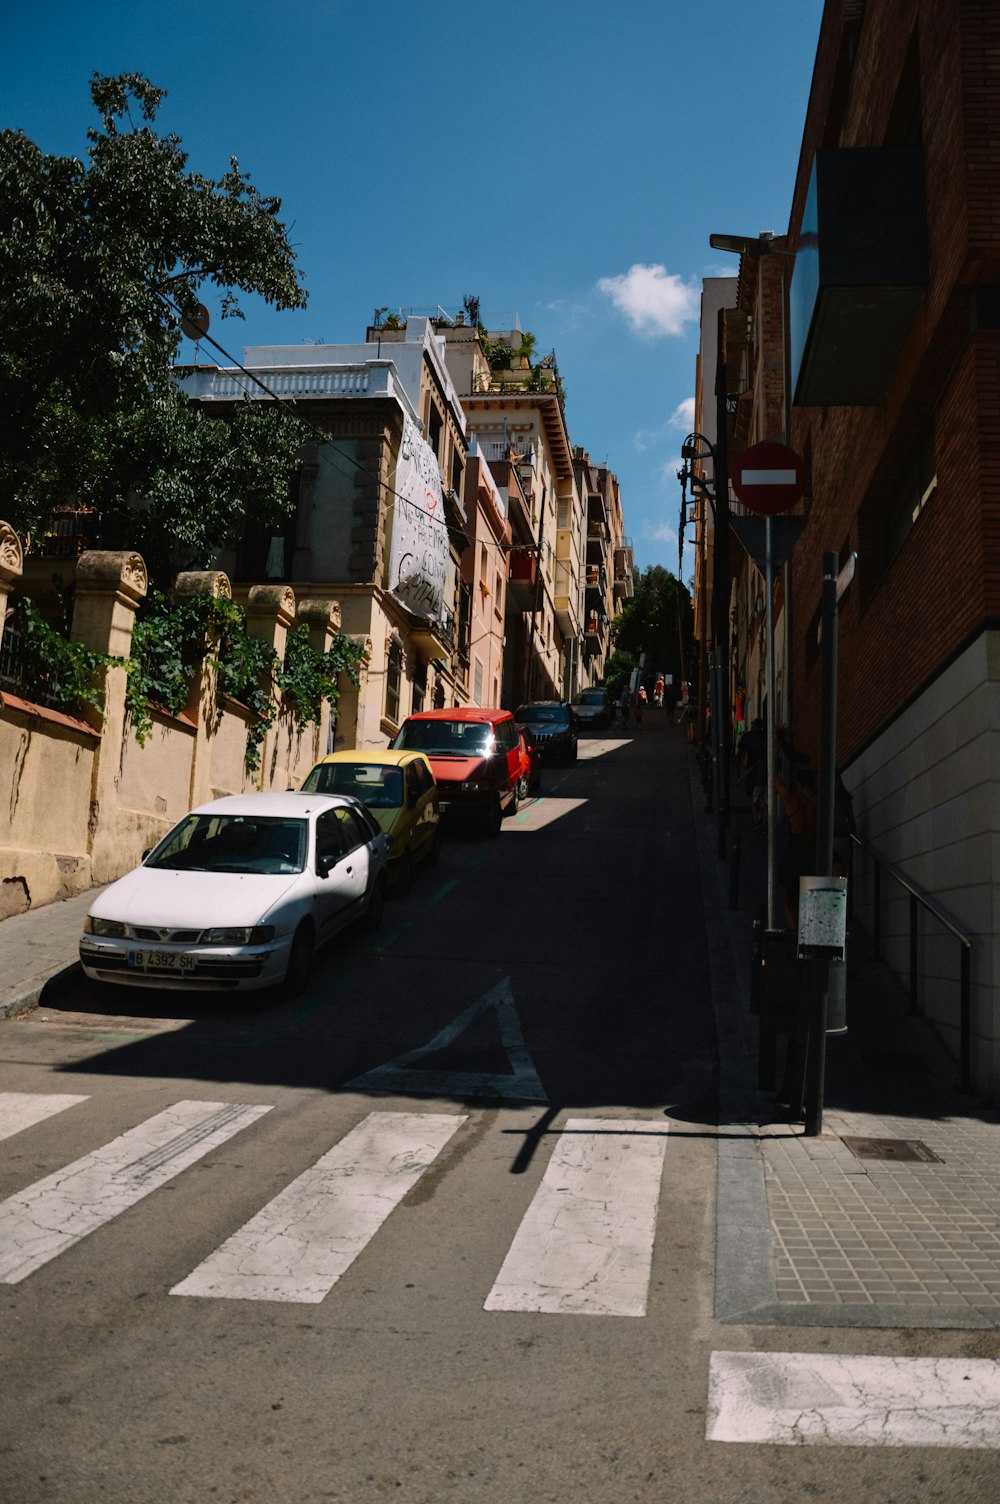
[{"x": 400, "y": 791}]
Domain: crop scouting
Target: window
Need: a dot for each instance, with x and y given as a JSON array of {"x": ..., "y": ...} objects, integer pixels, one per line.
[
  {"x": 914, "y": 490},
  {"x": 393, "y": 680},
  {"x": 329, "y": 841},
  {"x": 563, "y": 513},
  {"x": 435, "y": 424},
  {"x": 477, "y": 691},
  {"x": 353, "y": 829},
  {"x": 419, "y": 693}
]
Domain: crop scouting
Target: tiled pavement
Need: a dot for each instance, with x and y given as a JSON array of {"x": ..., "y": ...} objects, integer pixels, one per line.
[
  {"x": 809, "y": 1233},
  {"x": 918, "y": 1234}
]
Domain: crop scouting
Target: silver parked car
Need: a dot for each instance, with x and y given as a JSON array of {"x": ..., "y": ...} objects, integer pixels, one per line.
[
  {"x": 592, "y": 707},
  {"x": 240, "y": 894}
]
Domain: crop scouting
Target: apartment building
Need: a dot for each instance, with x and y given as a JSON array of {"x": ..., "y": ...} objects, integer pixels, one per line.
[{"x": 379, "y": 521}]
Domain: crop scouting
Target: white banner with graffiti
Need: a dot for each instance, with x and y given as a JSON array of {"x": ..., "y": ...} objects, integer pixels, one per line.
[{"x": 418, "y": 556}]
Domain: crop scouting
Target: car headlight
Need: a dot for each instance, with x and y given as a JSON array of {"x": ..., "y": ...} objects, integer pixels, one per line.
[
  {"x": 257, "y": 934},
  {"x": 111, "y": 928}
]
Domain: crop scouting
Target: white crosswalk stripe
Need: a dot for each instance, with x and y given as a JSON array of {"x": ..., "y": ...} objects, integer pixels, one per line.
[
  {"x": 812, "y": 1399},
  {"x": 54, "y": 1213},
  {"x": 300, "y": 1244},
  {"x": 23, "y": 1109},
  {"x": 585, "y": 1245}
]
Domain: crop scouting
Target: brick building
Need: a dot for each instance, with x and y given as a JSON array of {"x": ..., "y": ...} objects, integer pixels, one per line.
[{"x": 890, "y": 338}]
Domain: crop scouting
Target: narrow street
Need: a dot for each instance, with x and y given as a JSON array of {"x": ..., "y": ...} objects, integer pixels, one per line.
[{"x": 442, "y": 1230}]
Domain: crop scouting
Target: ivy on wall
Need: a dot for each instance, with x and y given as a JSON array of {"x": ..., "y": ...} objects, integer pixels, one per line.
[{"x": 169, "y": 643}]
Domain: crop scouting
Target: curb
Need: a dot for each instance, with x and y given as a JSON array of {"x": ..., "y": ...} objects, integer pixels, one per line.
[{"x": 31, "y": 993}]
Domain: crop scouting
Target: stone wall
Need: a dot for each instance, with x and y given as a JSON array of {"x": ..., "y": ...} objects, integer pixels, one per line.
[{"x": 82, "y": 800}]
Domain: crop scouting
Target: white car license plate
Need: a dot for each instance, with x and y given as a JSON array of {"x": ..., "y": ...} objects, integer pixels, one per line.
[{"x": 169, "y": 960}]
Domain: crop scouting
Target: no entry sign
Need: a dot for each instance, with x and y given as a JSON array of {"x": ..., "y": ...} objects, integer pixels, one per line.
[{"x": 768, "y": 478}]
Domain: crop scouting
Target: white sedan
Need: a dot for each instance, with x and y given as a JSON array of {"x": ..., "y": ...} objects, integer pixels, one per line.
[{"x": 240, "y": 894}]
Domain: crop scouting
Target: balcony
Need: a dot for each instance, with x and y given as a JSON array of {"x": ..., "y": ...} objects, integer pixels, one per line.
[
  {"x": 861, "y": 271},
  {"x": 597, "y": 543},
  {"x": 434, "y": 639},
  {"x": 624, "y": 584}
]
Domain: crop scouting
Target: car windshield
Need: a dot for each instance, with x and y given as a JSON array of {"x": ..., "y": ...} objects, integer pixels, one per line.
[
  {"x": 447, "y": 738},
  {"x": 592, "y": 697},
  {"x": 540, "y": 713},
  {"x": 233, "y": 843},
  {"x": 374, "y": 784}
]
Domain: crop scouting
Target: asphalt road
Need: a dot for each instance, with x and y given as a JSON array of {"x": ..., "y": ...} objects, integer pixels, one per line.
[{"x": 505, "y": 1098}]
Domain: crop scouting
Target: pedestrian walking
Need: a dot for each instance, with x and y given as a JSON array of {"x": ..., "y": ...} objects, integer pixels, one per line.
[
  {"x": 753, "y": 760},
  {"x": 640, "y": 705}
]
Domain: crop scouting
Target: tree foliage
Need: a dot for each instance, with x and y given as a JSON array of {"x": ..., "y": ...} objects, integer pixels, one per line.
[
  {"x": 98, "y": 263},
  {"x": 652, "y": 620}
]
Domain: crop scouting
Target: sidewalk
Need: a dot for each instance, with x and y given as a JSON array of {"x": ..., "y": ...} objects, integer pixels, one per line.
[
  {"x": 38, "y": 952},
  {"x": 827, "y": 1231}
]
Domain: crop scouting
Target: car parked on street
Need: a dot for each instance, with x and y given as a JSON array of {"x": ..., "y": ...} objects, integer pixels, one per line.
[
  {"x": 592, "y": 708},
  {"x": 239, "y": 895},
  {"x": 553, "y": 726},
  {"x": 476, "y": 757},
  {"x": 398, "y": 788}
]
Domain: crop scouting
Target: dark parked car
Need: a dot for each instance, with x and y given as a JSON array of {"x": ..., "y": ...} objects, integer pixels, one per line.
[
  {"x": 592, "y": 707},
  {"x": 553, "y": 727}
]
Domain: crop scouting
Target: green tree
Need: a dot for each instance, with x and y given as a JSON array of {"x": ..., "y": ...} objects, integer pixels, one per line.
[
  {"x": 655, "y": 621},
  {"x": 98, "y": 263}
]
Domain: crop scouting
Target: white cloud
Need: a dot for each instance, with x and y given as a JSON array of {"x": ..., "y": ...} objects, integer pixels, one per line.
[
  {"x": 653, "y": 301},
  {"x": 668, "y": 471},
  {"x": 683, "y": 415},
  {"x": 662, "y": 532}
]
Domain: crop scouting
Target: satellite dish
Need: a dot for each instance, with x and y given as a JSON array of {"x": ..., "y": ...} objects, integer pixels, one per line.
[{"x": 195, "y": 323}]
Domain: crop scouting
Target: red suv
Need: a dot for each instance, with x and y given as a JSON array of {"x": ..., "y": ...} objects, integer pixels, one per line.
[{"x": 476, "y": 757}]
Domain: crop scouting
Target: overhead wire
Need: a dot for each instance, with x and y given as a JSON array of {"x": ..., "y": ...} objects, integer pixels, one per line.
[{"x": 325, "y": 440}]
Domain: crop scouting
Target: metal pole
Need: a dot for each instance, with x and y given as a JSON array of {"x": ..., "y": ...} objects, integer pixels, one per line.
[
  {"x": 965, "y": 1035},
  {"x": 819, "y": 970},
  {"x": 772, "y": 813}
]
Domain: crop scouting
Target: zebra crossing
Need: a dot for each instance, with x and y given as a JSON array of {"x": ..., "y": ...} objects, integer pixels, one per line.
[{"x": 584, "y": 1245}]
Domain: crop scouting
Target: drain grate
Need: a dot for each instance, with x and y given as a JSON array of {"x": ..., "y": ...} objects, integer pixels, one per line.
[{"x": 893, "y": 1150}]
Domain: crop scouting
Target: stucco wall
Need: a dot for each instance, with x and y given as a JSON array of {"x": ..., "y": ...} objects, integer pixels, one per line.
[
  {"x": 44, "y": 848},
  {"x": 925, "y": 796}
]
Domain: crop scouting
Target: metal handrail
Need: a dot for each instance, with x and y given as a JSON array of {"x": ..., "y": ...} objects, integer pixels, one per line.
[{"x": 920, "y": 900}]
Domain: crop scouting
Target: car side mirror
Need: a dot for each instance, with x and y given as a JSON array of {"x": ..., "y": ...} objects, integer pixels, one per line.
[{"x": 324, "y": 866}]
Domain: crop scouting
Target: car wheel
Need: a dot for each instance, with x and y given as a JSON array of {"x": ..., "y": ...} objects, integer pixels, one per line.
[
  {"x": 299, "y": 963},
  {"x": 404, "y": 874},
  {"x": 515, "y": 799},
  {"x": 523, "y": 787},
  {"x": 376, "y": 903}
]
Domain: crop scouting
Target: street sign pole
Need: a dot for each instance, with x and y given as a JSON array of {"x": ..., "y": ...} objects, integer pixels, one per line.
[
  {"x": 768, "y": 479},
  {"x": 820, "y": 969},
  {"x": 772, "y": 920}
]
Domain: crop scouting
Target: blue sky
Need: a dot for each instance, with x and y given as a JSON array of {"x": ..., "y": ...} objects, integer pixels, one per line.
[{"x": 566, "y": 161}]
